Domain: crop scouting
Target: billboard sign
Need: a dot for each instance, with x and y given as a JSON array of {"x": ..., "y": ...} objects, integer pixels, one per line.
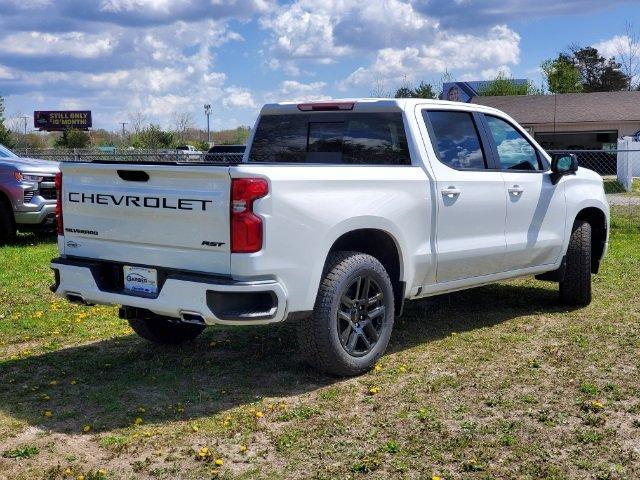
[{"x": 55, "y": 121}]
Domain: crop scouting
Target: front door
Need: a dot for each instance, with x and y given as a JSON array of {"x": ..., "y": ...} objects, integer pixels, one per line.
[
  {"x": 536, "y": 208},
  {"x": 471, "y": 210}
]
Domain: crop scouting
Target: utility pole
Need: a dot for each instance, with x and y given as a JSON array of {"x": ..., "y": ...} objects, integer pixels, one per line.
[
  {"x": 207, "y": 112},
  {"x": 124, "y": 133},
  {"x": 25, "y": 118}
]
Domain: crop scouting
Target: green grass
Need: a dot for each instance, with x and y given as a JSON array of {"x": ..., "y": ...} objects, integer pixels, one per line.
[
  {"x": 496, "y": 382},
  {"x": 613, "y": 186}
]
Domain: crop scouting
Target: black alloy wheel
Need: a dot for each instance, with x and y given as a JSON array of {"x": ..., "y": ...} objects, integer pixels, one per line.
[{"x": 361, "y": 316}]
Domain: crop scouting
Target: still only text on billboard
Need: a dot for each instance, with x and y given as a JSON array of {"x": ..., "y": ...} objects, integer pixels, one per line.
[{"x": 51, "y": 121}]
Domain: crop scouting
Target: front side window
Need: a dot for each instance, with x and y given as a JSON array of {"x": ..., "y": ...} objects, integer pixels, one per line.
[
  {"x": 345, "y": 138},
  {"x": 514, "y": 151},
  {"x": 456, "y": 139}
]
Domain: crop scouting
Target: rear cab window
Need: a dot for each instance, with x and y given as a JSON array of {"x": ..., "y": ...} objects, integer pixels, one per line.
[
  {"x": 371, "y": 138},
  {"x": 455, "y": 139}
]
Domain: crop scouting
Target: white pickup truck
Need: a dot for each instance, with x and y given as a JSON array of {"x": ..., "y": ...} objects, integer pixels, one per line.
[{"x": 338, "y": 213}]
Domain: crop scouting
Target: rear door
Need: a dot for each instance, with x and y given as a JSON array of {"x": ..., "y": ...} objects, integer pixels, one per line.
[
  {"x": 172, "y": 216},
  {"x": 471, "y": 212},
  {"x": 536, "y": 207}
]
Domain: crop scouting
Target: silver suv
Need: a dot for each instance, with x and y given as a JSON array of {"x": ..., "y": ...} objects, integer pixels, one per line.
[{"x": 27, "y": 194}]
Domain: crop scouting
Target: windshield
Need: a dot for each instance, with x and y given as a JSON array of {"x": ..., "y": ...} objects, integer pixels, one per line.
[{"x": 6, "y": 153}]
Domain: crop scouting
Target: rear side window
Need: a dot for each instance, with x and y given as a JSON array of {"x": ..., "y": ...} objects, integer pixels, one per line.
[
  {"x": 342, "y": 138},
  {"x": 514, "y": 151},
  {"x": 456, "y": 139}
]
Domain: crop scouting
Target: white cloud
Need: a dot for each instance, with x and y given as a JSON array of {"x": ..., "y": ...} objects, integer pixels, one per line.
[
  {"x": 6, "y": 73},
  {"x": 294, "y": 91},
  {"x": 613, "y": 46},
  {"x": 236, "y": 97},
  {"x": 446, "y": 52},
  {"x": 72, "y": 44}
]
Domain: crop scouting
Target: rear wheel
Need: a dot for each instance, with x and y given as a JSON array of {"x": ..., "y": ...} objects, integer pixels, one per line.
[
  {"x": 352, "y": 318},
  {"x": 575, "y": 287},
  {"x": 7, "y": 225},
  {"x": 165, "y": 332}
]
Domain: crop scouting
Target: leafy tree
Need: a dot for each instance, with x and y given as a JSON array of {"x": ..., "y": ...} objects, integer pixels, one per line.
[
  {"x": 424, "y": 90},
  {"x": 152, "y": 137},
  {"x": 502, "y": 86},
  {"x": 562, "y": 75},
  {"x": 597, "y": 73},
  {"x": 5, "y": 135},
  {"x": 584, "y": 69},
  {"x": 72, "y": 138}
]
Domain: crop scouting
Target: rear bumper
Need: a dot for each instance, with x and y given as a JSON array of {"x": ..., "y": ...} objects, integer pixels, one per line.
[{"x": 186, "y": 295}]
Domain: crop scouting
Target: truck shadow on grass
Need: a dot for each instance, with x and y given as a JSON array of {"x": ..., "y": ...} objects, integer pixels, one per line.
[{"x": 105, "y": 383}]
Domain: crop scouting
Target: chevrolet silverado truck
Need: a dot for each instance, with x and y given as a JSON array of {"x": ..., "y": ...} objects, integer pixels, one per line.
[
  {"x": 27, "y": 194},
  {"x": 337, "y": 213}
]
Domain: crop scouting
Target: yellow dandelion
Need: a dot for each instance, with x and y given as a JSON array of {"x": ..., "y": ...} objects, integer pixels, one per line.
[
  {"x": 102, "y": 471},
  {"x": 195, "y": 428},
  {"x": 141, "y": 409},
  {"x": 80, "y": 477},
  {"x": 378, "y": 367},
  {"x": 204, "y": 451},
  {"x": 402, "y": 368},
  {"x": 138, "y": 421},
  {"x": 435, "y": 477},
  {"x": 53, "y": 382},
  {"x": 45, "y": 397},
  {"x": 259, "y": 414},
  {"x": 86, "y": 428},
  {"x": 147, "y": 434},
  {"x": 47, "y": 413},
  {"x": 374, "y": 390},
  {"x": 243, "y": 448},
  {"x": 219, "y": 462},
  {"x": 73, "y": 382},
  {"x": 68, "y": 471},
  {"x": 597, "y": 405}
]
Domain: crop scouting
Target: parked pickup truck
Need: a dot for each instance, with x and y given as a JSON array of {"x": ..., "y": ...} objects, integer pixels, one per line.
[
  {"x": 338, "y": 213},
  {"x": 27, "y": 194}
]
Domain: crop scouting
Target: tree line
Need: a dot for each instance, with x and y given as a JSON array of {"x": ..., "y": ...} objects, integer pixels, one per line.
[{"x": 139, "y": 134}]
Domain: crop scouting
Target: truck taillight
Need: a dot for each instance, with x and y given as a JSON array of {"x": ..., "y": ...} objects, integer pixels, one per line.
[
  {"x": 59, "y": 222},
  {"x": 246, "y": 226}
]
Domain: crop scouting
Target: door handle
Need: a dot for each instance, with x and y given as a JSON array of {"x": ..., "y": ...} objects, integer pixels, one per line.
[
  {"x": 450, "y": 191},
  {"x": 516, "y": 190}
]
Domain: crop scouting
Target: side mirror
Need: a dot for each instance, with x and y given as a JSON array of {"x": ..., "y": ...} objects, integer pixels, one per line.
[{"x": 563, "y": 164}]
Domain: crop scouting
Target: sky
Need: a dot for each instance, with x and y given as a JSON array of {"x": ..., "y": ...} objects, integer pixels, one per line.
[{"x": 158, "y": 59}]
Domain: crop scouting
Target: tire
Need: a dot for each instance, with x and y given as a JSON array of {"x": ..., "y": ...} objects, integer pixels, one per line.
[
  {"x": 575, "y": 287},
  {"x": 165, "y": 332},
  {"x": 7, "y": 224},
  {"x": 353, "y": 316}
]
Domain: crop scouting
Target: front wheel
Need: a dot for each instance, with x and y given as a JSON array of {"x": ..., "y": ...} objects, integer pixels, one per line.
[
  {"x": 575, "y": 287},
  {"x": 165, "y": 332},
  {"x": 7, "y": 225},
  {"x": 352, "y": 318}
]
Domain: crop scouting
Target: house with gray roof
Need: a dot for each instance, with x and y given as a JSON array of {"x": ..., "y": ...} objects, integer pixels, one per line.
[{"x": 591, "y": 121}]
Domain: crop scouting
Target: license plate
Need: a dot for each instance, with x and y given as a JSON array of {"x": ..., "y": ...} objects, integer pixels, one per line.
[{"x": 140, "y": 279}]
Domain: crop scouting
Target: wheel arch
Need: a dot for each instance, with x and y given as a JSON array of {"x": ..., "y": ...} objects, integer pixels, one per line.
[
  {"x": 598, "y": 221},
  {"x": 381, "y": 245}
]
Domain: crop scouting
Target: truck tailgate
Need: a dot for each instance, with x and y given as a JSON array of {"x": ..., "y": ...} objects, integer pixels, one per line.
[{"x": 171, "y": 216}]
